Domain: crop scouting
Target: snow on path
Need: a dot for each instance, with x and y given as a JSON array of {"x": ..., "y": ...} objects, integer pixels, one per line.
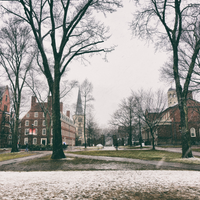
[{"x": 79, "y": 184}]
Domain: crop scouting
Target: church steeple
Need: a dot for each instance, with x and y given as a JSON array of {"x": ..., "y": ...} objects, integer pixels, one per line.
[{"x": 79, "y": 109}]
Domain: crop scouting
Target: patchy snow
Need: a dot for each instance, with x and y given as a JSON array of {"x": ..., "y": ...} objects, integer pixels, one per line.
[{"x": 59, "y": 185}]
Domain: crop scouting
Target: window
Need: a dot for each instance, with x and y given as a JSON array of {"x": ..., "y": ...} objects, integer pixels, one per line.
[
  {"x": 26, "y": 123},
  {"x": 34, "y": 140},
  {"x": 44, "y": 141},
  {"x": 79, "y": 119},
  {"x": 43, "y": 123},
  {"x": 28, "y": 115},
  {"x": 35, "y": 114},
  {"x": 192, "y": 132},
  {"x": 25, "y": 140},
  {"x": 43, "y": 131},
  {"x": 26, "y": 132},
  {"x": 36, "y": 131},
  {"x": 36, "y": 123},
  {"x": 6, "y": 97},
  {"x": 9, "y": 142},
  {"x": 51, "y": 131},
  {"x": 5, "y": 108},
  {"x": 43, "y": 114},
  {"x": 51, "y": 140},
  {"x": 79, "y": 131},
  {"x": 10, "y": 136}
]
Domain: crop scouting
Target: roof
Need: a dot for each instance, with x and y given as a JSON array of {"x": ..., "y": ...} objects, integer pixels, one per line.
[
  {"x": 2, "y": 90},
  {"x": 171, "y": 89},
  {"x": 79, "y": 109}
]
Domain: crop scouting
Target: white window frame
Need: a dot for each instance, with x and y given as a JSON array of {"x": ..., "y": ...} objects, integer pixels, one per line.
[
  {"x": 25, "y": 140},
  {"x": 10, "y": 136},
  {"x": 51, "y": 131},
  {"x": 44, "y": 129},
  {"x": 43, "y": 123},
  {"x": 26, "y": 131},
  {"x": 52, "y": 141},
  {"x": 35, "y": 114},
  {"x": 45, "y": 140},
  {"x": 27, "y": 115},
  {"x": 34, "y": 139},
  {"x": 35, "y": 122},
  {"x": 27, "y": 123},
  {"x": 192, "y": 132}
]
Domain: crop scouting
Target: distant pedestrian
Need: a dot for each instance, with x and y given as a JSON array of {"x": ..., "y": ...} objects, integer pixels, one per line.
[{"x": 26, "y": 150}]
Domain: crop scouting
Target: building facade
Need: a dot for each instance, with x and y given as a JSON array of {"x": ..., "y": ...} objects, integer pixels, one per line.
[
  {"x": 5, "y": 135},
  {"x": 79, "y": 121},
  {"x": 37, "y": 126},
  {"x": 168, "y": 130}
]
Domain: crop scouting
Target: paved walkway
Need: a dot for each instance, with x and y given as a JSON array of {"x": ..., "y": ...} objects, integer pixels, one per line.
[
  {"x": 177, "y": 150},
  {"x": 180, "y": 166},
  {"x": 16, "y": 160}
]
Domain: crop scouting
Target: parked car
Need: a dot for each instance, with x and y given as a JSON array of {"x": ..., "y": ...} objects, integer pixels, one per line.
[{"x": 99, "y": 145}]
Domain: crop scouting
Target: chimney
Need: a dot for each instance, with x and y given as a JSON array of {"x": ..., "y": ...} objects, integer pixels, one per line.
[
  {"x": 68, "y": 113},
  {"x": 33, "y": 101},
  {"x": 61, "y": 107}
]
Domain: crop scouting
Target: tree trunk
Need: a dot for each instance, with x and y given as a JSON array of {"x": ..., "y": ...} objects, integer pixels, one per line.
[
  {"x": 84, "y": 123},
  {"x": 182, "y": 102},
  {"x": 185, "y": 134},
  {"x": 16, "y": 127},
  {"x": 57, "y": 137},
  {"x": 153, "y": 140}
]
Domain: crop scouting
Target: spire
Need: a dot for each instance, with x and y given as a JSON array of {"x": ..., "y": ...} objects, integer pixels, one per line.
[{"x": 79, "y": 110}]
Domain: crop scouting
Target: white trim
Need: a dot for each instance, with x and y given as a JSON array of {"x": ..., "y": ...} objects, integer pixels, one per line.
[
  {"x": 192, "y": 132},
  {"x": 34, "y": 139},
  {"x": 44, "y": 139},
  {"x": 44, "y": 129}
]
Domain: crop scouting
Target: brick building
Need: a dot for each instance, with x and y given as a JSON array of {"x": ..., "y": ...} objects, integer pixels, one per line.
[
  {"x": 36, "y": 125},
  {"x": 168, "y": 130},
  {"x": 5, "y": 136}
]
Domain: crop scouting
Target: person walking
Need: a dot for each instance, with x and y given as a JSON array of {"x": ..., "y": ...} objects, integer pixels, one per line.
[{"x": 26, "y": 150}]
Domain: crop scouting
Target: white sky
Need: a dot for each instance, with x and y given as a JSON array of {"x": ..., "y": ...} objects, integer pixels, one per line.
[{"x": 131, "y": 66}]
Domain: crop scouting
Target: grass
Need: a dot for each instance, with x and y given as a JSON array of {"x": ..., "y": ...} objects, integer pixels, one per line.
[
  {"x": 198, "y": 150},
  {"x": 140, "y": 154},
  {"x": 155, "y": 155},
  {"x": 9, "y": 156}
]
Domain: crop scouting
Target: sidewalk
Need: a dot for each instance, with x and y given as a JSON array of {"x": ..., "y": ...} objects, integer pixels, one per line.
[
  {"x": 16, "y": 160},
  {"x": 176, "y": 150}
]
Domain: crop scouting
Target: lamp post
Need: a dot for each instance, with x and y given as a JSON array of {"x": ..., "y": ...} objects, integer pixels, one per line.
[{"x": 32, "y": 133}]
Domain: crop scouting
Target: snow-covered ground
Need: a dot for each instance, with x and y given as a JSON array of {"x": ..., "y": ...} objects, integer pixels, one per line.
[{"x": 59, "y": 185}]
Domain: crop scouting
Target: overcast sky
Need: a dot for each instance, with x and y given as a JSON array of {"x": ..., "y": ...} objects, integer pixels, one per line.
[{"x": 133, "y": 65}]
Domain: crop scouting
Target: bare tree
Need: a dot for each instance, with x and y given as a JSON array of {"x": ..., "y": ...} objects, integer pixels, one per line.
[
  {"x": 86, "y": 93},
  {"x": 63, "y": 30},
  {"x": 166, "y": 22},
  {"x": 92, "y": 129},
  {"x": 149, "y": 109},
  {"x": 123, "y": 118},
  {"x": 16, "y": 57}
]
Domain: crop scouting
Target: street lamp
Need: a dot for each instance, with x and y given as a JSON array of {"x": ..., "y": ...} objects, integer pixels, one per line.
[{"x": 32, "y": 132}]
